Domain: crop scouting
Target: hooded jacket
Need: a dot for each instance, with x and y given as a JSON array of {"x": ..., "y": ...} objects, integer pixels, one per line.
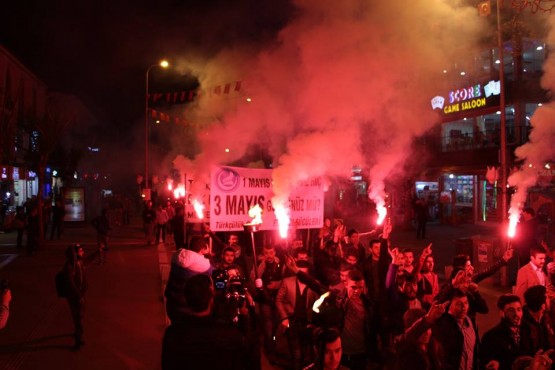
[{"x": 185, "y": 264}]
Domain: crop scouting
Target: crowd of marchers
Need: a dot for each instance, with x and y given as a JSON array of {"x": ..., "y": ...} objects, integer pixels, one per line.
[{"x": 339, "y": 304}]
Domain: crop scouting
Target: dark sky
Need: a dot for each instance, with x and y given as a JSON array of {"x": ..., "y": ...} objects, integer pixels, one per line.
[{"x": 100, "y": 50}]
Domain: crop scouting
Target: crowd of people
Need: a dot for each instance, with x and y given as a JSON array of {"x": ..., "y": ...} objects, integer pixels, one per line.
[{"x": 339, "y": 304}]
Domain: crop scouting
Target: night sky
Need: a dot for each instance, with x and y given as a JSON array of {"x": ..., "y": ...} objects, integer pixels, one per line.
[{"x": 100, "y": 50}]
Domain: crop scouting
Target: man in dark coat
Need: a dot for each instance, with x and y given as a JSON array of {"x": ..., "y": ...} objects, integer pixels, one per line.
[
  {"x": 502, "y": 344},
  {"x": 456, "y": 335},
  {"x": 200, "y": 341},
  {"x": 58, "y": 213}
]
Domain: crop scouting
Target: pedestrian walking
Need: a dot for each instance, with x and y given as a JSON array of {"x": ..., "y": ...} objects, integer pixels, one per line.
[
  {"x": 33, "y": 231},
  {"x": 149, "y": 219},
  {"x": 58, "y": 214},
  {"x": 102, "y": 226},
  {"x": 19, "y": 224}
]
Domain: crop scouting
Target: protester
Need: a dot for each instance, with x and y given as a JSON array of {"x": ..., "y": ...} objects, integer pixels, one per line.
[
  {"x": 503, "y": 344},
  {"x": 178, "y": 227},
  {"x": 402, "y": 293},
  {"x": 328, "y": 350},
  {"x": 532, "y": 273},
  {"x": 415, "y": 349},
  {"x": 537, "y": 321},
  {"x": 353, "y": 238},
  {"x": 270, "y": 271},
  {"x": 356, "y": 329},
  {"x": 294, "y": 302},
  {"x": 456, "y": 335},
  {"x": 408, "y": 261},
  {"x": 200, "y": 341},
  {"x": 428, "y": 281},
  {"x": 185, "y": 264}
]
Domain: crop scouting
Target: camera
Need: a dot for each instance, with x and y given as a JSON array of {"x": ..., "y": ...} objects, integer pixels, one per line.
[
  {"x": 235, "y": 288},
  {"x": 231, "y": 293},
  {"x": 219, "y": 277}
]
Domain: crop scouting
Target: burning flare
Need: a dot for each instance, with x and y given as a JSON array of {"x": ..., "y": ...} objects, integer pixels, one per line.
[
  {"x": 319, "y": 301},
  {"x": 283, "y": 220},
  {"x": 199, "y": 208},
  {"x": 514, "y": 215},
  {"x": 170, "y": 185},
  {"x": 382, "y": 211},
  {"x": 256, "y": 214},
  {"x": 179, "y": 192}
]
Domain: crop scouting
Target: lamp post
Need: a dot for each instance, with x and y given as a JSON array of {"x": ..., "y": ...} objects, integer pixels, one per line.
[
  {"x": 163, "y": 64},
  {"x": 503, "y": 128}
]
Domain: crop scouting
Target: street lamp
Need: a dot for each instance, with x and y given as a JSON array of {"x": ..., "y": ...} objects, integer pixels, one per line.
[
  {"x": 503, "y": 128},
  {"x": 163, "y": 64}
]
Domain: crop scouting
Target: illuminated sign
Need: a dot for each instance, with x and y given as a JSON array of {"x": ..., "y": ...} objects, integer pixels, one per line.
[{"x": 466, "y": 98}]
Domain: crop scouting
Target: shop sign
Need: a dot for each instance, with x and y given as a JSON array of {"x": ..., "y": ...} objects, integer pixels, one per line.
[
  {"x": 467, "y": 98},
  {"x": 32, "y": 175},
  {"x": 15, "y": 173}
]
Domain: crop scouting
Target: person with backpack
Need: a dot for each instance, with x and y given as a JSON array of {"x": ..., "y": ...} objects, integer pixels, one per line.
[{"x": 71, "y": 283}]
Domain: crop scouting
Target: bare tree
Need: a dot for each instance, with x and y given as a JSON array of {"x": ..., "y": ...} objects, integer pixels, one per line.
[{"x": 62, "y": 112}]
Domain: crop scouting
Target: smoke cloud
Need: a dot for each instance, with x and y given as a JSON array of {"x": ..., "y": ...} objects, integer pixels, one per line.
[
  {"x": 539, "y": 149},
  {"x": 344, "y": 83}
]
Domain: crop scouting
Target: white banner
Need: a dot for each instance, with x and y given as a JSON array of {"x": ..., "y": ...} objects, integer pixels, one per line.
[
  {"x": 233, "y": 191},
  {"x": 201, "y": 194}
]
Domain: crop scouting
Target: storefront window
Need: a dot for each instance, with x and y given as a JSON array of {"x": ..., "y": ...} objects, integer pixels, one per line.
[{"x": 463, "y": 186}]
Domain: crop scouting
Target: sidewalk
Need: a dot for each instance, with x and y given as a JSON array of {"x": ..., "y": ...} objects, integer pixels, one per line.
[{"x": 124, "y": 318}]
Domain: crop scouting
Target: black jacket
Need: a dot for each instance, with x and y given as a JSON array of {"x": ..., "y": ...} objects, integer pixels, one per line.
[
  {"x": 204, "y": 343},
  {"x": 498, "y": 344},
  {"x": 450, "y": 340},
  {"x": 383, "y": 263}
]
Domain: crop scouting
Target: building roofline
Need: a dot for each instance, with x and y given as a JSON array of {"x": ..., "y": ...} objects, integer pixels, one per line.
[{"x": 13, "y": 59}]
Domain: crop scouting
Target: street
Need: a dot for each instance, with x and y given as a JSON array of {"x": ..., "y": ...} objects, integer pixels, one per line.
[{"x": 124, "y": 319}]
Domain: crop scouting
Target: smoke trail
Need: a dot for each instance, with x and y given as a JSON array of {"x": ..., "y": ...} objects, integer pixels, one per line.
[
  {"x": 539, "y": 149},
  {"x": 345, "y": 83}
]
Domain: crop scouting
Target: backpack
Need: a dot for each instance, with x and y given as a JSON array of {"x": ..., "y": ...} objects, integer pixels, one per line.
[{"x": 61, "y": 284}]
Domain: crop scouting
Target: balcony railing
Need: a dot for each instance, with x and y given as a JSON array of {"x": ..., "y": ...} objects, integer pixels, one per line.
[{"x": 484, "y": 139}]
